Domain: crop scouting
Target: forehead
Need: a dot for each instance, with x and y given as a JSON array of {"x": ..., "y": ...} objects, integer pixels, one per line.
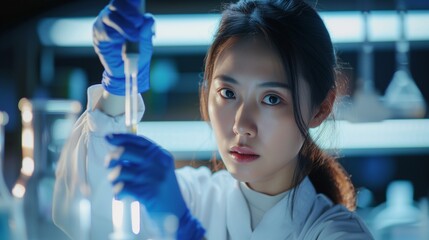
[{"x": 252, "y": 58}]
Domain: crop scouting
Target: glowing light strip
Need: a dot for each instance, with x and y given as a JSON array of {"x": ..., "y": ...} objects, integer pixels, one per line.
[
  {"x": 386, "y": 134},
  {"x": 180, "y": 136},
  {"x": 198, "y": 29},
  {"x": 195, "y": 140}
]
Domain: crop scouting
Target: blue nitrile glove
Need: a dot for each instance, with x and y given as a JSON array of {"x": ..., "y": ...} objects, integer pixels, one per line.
[
  {"x": 117, "y": 22},
  {"x": 147, "y": 174}
]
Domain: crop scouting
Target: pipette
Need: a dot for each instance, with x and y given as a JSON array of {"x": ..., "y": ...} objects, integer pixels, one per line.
[{"x": 123, "y": 227}]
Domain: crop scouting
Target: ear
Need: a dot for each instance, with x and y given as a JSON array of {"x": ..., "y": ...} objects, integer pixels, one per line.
[{"x": 323, "y": 111}]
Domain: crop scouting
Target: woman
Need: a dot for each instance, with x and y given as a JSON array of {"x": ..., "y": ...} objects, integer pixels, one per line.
[{"x": 270, "y": 76}]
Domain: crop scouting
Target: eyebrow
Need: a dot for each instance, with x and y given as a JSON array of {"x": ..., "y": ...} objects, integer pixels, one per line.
[{"x": 229, "y": 79}]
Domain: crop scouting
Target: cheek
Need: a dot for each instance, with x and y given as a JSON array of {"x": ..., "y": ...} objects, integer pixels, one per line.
[
  {"x": 218, "y": 115},
  {"x": 282, "y": 137},
  {"x": 211, "y": 109}
]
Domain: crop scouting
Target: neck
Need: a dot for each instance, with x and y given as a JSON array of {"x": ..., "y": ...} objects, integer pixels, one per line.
[{"x": 279, "y": 182}]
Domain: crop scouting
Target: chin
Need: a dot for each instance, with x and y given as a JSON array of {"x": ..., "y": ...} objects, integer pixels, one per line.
[
  {"x": 241, "y": 175},
  {"x": 239, "y": 172}
]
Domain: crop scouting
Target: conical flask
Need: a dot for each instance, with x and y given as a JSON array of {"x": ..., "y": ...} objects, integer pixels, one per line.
[
  {"x": 399, "y": 217},
  {"x": 402, "y": 95},
  {"x": 366, "y": 104}
]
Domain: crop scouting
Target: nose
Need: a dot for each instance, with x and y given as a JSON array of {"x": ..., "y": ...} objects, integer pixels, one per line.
[{"x": 244, "y": 124}]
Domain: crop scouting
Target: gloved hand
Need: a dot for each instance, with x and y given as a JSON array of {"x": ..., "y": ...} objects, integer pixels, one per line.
[
  {"x": 117, "y": 22},
  {"x": 147, "y": 174}
]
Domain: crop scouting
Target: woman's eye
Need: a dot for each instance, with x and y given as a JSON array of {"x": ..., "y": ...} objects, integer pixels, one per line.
[
  {"x": 271, "y": 100},
  {"x": 226, "y": 93}
]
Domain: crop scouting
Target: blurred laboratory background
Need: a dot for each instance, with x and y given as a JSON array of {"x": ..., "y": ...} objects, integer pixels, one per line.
[{"x": 382, "y": 120}]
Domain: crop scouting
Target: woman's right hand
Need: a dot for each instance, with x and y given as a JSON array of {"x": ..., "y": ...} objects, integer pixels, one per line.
[{"x": 118, "y": 22}]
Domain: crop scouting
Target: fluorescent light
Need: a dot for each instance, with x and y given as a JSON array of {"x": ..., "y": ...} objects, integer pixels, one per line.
[
  {"x": 171, "y": 30},
  {"x": 344, "y": 27},
  {"x": 195, "y": 140},
  {"x": 417, "y": 25},
  {"x": 198, "y": 29},
  {"x": 386, "y": 137},
  {"x": 186, "y": 140},
  {"x": 66, "y": 32},
  {"x": 383, "y": 27},
  {"x": 348, "y": 26},
  {"x": 185, "y": 30}
]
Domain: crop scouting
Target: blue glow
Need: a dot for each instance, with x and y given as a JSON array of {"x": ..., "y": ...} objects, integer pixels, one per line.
[
  {"x": 198, "y": 29},
  {"x": 164, "y": 75}
]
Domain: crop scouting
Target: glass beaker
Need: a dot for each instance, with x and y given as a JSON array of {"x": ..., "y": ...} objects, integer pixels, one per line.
[{"x": 46, "y": 125}]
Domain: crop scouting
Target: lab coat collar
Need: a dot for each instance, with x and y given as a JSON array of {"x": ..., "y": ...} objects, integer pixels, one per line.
[
  {"x": 237, "y": 214},
  {"x": 277, "y": 222}
]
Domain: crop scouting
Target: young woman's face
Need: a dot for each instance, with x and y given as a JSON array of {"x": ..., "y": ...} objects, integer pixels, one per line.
[{"x": 251, "y": 113}]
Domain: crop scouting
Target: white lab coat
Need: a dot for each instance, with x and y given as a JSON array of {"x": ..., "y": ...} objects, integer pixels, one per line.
[{"x": 215, "y": 199}]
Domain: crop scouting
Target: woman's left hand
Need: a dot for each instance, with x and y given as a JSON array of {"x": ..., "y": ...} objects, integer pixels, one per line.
[{"x": 145, "y": 171}]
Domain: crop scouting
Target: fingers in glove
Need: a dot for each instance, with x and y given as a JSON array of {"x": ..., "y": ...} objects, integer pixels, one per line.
[
  {"x": 129, "y": 189},
  {"x": 136, "y": 175},
  {"x": 147, "y": 30},
  {"x": 147, "y": 145},
  {"x": 120, "y": 139},
  {"x": 146, "y": 34},
  {"x": 130, "y": 9},
  {"x": 112, "y": 159},
  {"x": 140, "y": 158},
  {"x": 103, "y": 33},
  {"x": 140, "y": 152},
  {"x": 128, "y": 27}
]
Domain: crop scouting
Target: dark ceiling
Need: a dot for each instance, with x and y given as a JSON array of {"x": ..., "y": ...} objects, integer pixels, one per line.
[{"x": 18, "y": 12}]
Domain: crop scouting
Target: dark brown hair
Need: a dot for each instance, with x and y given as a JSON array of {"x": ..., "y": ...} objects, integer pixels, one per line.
[{"x": 299, "y": 35}]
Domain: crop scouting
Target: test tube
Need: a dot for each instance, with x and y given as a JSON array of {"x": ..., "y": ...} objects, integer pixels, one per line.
[
  {"x": 123, "y": 229},
  {"x": 131, "y": 91},
  {"x": 130, "y": 55},
  {"x": 122, "y": 210}
]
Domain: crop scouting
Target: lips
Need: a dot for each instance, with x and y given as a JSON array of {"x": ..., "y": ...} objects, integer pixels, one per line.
[{"x": 243, "y": 154}]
